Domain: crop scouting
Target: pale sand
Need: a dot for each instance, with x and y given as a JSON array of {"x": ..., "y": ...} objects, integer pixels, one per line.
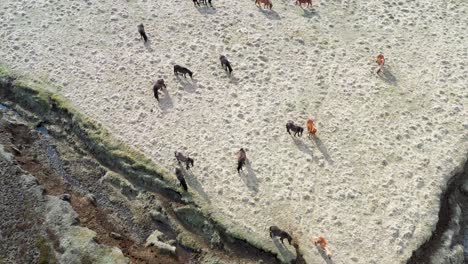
[{"x": 372, "y": 181}]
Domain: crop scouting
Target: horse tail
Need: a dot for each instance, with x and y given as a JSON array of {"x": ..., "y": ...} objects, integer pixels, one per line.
[{"x": 240, "y": 164}]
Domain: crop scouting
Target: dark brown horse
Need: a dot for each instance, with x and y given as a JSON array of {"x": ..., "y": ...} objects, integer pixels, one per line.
[
  {"x": 300, "y": 2},
  {"x": 277, "y": 232},
  {"x": 295, "y": 128},
  {"x": 182, "y": 70},
  {"x": 225, "y": 64},
  {"x": 241, "y": 158},
  {"x": 141, "y": 30},
  {"x": 180, "y": 176},
  {"x": 185, "y": 159},
  {"x": 159, "y": 85},
  {"x": 266, "y": 3}
]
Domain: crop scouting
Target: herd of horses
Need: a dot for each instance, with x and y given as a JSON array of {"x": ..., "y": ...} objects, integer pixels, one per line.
[
  {"x": 268, "y": 4},
  {"x": 183, "y": 159}
]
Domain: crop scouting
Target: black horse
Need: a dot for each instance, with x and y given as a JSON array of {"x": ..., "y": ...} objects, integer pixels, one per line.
[
  {"x": 241, "y": 158},
  {"x": 225, "y": 64},
  {"x": 180, "y": 176},
  {"x": 296, "y": 129},
  {"x": 159, "y": 85},
  {"x": 182, "y": 158},
  {"x": 276, "y": 232},
  {"x": 182, "y": 70},
  {"x": 141, "y": 30}
]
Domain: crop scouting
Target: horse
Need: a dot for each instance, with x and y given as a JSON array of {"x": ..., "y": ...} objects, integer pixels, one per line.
[
  {"x": 241, "y": 158},
  {"x": 300, "y": 2},
  {"x": 225, "y": 64},
  {"x": 159, "y": 85},
  {"x": 322, "y": 243},
  {"x": 277, "y": 232},
  {"x": 141, "y": 30},
  {"x": 180, "y": 176},
  {"x": 311, "y": 127},
  {"x": 266, "y": 3},
  {"x": 380, "y": 61},
  {"x": 296, "y": 129},
  {"x": 182, "y": 70},
  {"x": 182, "y": 158},
  {"x": 206, "y": 2}
]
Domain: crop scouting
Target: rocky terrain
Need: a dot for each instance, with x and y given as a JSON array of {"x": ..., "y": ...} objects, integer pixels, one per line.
[{"x": 387, "y": 145}]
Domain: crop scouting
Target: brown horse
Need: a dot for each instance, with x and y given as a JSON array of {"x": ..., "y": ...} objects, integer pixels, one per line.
[
  {"x": 266, "y": 3},
  {"x": 311, "y": 127},
  {"x": 322, "y": 243},
  {"x": 300, "y": 2}
]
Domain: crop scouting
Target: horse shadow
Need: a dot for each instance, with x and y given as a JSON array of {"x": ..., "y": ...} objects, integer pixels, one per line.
[
  {"x": 310, "y": 13},
  {"x": 188, "y": 86},
  {"x": 206, "y": 10},
  {"x": 323, "y": 149},
  {"x": 327, "y": 259},
  {"x": 147, "y": 45},
  {"x": 270, "y": 14},
  {"x": 165, "y": 103},
  {"x": 388, "y": 76},
  {"x": 250, "y": 178},
  {"x": 303, "y": 147},
  {"x": 193, "y": 182},
  {"x": 286, "y": 255}
]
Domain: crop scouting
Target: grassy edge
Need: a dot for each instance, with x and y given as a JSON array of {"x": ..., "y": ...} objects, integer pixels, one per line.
[{"x": 32, "y": 95}]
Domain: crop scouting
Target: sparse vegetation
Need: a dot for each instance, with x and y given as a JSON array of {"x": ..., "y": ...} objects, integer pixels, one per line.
[{"x": 46, "y": 254}]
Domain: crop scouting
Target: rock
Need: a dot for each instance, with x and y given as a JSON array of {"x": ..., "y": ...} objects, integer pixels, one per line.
[
  {"x": 91, "y": 199},
  {"x": 160, "y": 217},
  {"x": 116, "y": 235},
  {"x": 16, "y": 151},
  {"x": 65, "y": 197},
  {"x": 192, "y": 217},
  {"x": 464, "y": 188},
  {"x": 154, "y": 240},
  {"x": 76, "y": 242}
]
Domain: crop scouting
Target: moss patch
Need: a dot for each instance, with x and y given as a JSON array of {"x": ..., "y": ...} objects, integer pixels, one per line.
[{"x": 46, "y": 254}]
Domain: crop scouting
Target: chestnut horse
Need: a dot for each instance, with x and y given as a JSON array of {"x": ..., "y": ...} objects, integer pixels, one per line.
[
  {"x": 266, "y": 3},
  {"x": 300, "y": 2},
  {"x": 322, "y": 243},
  {"x": 311, "y": 127}
]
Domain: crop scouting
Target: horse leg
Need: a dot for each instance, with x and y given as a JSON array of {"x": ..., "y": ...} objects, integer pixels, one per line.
[{"x": 156, "y": 95}]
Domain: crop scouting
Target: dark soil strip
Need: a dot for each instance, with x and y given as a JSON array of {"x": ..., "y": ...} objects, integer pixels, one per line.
[{"x": 449, "y": 199}]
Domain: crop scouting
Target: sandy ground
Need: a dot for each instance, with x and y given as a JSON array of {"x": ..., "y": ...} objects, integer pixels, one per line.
[{"x": 386, "y": 145}]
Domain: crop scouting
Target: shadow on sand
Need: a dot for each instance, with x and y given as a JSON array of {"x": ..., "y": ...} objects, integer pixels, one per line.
[
  {"x": 310, "y": 13},
  {"x": 387, "y": 76},
  {"x": 194, "y": 183},
  {"x": 148, "y": 45},
  {"x": 323, "y": 149},
  {"x": 206, "y": 10},
  {"x": 166, "y": 103},
  {"x": 188, "y": 86},
  {"x": 301, "y": 145},
  {"x": 324, "y": 256},
  {"x": 286, "y": 255},
  {"x": 250, "y": 178},
  {"x": 270, "y": 14}
]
